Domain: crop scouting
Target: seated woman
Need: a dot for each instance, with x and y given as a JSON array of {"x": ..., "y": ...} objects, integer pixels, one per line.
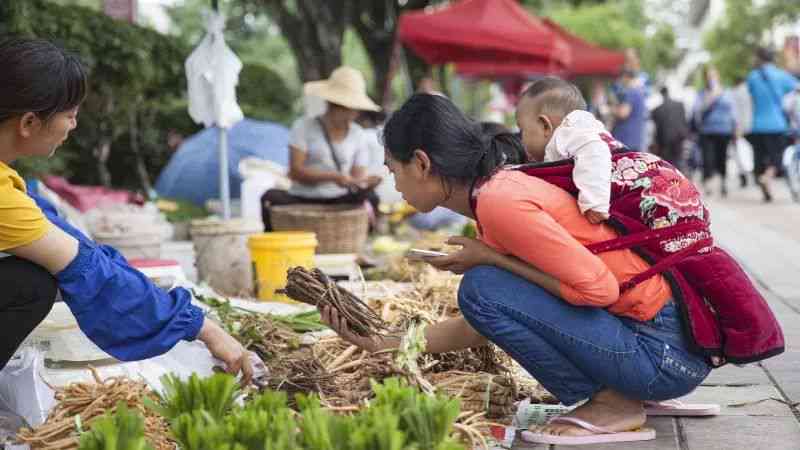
[
  {"x": 116, "y": 306},
  {"x": 532, "y": 288},
  {"x": 329, "y": 154}
]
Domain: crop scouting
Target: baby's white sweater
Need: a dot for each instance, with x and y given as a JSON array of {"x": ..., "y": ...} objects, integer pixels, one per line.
[{"x": 580, "y": 137}]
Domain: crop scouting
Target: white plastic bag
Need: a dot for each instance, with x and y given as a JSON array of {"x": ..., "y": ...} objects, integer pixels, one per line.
[
  {"x": 743, "y": 153},
  {"x": 22, "y": 389}
]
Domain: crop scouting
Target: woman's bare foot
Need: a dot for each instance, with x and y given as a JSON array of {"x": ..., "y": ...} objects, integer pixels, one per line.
[{"x": 607, "y": 409}]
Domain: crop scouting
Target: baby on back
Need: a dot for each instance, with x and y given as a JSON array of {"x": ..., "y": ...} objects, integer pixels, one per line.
[{"x": 555, "y": 125}]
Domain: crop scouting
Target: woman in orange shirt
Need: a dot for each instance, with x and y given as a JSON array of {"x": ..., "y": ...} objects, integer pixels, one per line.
[{"x": 532, "y": 288}]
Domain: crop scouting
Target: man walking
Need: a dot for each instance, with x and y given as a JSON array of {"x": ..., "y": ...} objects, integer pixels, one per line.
[{"x": 671, "y": 129}]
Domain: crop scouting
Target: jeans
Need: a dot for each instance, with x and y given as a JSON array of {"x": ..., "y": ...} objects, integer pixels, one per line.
[
  {"x": 576, "y": 351},
  {"x": 28, "y": 295}
]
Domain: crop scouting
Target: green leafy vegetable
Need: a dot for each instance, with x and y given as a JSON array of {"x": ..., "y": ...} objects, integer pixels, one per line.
[
  {"x": 123, "y": 430},
  {"x": 215, "y": 395}
]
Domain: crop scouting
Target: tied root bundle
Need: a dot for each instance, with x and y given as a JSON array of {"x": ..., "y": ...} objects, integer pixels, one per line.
[{"x": 317, "y": 289}]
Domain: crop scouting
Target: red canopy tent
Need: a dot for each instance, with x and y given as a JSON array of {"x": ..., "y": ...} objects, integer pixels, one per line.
[
  {"x": 497, "y": 32},
  {"x": 587, "y": 59}
]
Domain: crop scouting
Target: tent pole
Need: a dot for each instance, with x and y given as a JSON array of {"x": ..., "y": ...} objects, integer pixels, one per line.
[{"x": 224, "y": 185}]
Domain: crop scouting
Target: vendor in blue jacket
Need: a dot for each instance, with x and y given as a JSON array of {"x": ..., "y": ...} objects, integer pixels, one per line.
[{"x": 117, "y": 307}]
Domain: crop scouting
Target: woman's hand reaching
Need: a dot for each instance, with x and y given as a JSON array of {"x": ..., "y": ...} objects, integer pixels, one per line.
[
  {"x": 473, "y": 253},
  {"x": 227, "y": 349}
]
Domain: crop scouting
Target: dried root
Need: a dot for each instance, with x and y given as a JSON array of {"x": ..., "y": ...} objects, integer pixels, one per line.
[
  {"x": 88, "y": 401},
  {"x": 315, "y": 288}
]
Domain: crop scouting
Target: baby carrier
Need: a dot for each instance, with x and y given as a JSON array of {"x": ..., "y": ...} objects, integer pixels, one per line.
[{"x": 659, "y": 214}]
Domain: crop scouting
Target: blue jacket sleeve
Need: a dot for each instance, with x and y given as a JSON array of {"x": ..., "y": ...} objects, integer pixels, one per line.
[{"x": 117, "y": 306}]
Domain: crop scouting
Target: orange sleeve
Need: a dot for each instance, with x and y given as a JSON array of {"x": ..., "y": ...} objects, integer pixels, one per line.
[{"x": 520, "y": 227}]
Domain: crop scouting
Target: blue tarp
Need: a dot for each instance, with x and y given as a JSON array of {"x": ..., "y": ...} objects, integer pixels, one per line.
[{"x": 193, "y": 171}]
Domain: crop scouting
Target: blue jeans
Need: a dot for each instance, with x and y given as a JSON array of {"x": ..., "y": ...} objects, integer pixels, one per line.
[{"x": 576, "y": 351}]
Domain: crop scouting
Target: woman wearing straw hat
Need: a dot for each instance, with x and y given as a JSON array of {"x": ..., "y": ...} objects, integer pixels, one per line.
[{"x": 328, "y": 158}]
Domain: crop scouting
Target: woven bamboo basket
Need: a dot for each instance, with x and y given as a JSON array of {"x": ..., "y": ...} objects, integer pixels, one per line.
[{"x": 339, "y": 228}]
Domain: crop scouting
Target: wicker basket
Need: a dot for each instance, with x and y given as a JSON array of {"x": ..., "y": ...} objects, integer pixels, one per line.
[{"x": 339, "y": 228}]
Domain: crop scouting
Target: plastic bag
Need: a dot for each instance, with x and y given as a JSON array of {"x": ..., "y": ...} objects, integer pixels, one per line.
[
  {"x": 22, "y": 389},
  {"x": 743, "y": 153}
]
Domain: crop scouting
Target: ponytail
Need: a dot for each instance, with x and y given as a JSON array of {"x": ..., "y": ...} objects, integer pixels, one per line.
[{"x": 460, "y": 149}]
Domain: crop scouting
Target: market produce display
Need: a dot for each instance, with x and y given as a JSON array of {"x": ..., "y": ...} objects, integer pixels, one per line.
[
  {"x": 81, "y": 405},
  {"x": 320, "y": 392}
]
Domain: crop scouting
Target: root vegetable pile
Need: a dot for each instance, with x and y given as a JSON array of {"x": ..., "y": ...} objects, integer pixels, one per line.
[{"x": 81, "y": 404}]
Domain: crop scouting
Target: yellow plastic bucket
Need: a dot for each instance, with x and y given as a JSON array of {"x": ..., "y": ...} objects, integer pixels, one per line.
[{"x": 273, "y": 254}]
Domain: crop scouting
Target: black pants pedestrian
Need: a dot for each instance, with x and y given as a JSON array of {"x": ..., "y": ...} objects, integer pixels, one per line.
[
  {"x": 715, "y": 155},
  {"x": 767, "y": 151},
  {"x": 26, "y": 298},
  {"x": 278, "y": 197}
]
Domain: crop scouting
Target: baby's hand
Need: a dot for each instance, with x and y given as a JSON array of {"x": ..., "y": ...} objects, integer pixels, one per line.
[{"x": 595, "y": 216}]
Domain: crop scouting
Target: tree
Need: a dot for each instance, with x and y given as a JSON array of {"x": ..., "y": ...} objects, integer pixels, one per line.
[
  {"x": 133, "y": 71},
  {"x": 314, "y": 31},
  {"x": 376, "y": 21},
  {"x": 625, "y": 25},
  {"x": 745, "y": 26}
]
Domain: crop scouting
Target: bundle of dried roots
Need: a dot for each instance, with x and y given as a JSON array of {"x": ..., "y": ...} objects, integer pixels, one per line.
[
  {"x": 79, "y": 404},
  {"x": 316, "y": 288},
  {"x": 479, "y": 391}
]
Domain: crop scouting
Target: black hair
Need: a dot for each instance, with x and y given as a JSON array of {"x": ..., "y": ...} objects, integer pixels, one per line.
[
  {"x": 459, "y": 148},
  {"x": 765, "y": 54},
  {"x": 555, "y": 96},
  {"x": 38, "y": 77},
  {"x": 664, "y": 92},
  {"x": 373, "y": 117}
]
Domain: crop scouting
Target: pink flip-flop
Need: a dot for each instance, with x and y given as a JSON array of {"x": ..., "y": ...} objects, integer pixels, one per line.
[
  {"x": 677, "y": 408},
  {"x": 601, "y": 435}
]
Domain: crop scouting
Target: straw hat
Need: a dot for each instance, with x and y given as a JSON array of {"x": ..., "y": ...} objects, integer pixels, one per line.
[{"x": 345, "y": 87}]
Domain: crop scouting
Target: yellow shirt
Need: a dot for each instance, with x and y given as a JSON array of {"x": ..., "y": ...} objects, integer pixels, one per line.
[{"x": 21, "y": 220}]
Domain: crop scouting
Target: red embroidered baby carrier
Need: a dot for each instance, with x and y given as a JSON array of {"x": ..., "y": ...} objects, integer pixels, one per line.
[{"x": 659, "y": 214}]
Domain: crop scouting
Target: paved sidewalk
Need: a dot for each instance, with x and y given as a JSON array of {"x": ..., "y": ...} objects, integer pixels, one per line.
[{"x": 756, "y": 399}]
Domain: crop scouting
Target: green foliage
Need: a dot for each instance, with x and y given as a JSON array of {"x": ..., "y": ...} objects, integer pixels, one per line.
[
  {"x": 134, "y": 72},
  {"x": 122, "y": 430},
  {"x": 215, "y": 395},
  {"x": 264, "y": 95},
  {"x": 426, "y": 420},
  {"x": 732, "y": 43},
  {"x": 184, "y": 211},
  {"x": 623, "y": 26},
  {"x": 231, "y": 317},
  {"x": 399, "y": 418}
]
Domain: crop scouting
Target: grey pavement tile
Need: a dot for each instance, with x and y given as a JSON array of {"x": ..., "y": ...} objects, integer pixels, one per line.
[
  {"x": 750, "y": 397},
  {"x": 787, "y": 362},
  {"x": 787, "y": 290},
  {"x": 792, "y": 390},
  {"x": 738, "y": 432},
  {"x": 789, "y": 382},
  {"x": 731, "y": 375}
]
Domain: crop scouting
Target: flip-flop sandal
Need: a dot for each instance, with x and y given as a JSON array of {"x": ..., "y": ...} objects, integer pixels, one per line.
[
  {"x": 679, "y": 409},
  {"x": 601, "y": 435}
]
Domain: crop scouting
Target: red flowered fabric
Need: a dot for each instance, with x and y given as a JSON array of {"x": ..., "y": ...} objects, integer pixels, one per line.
[{"x": 660, "y": 215}]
